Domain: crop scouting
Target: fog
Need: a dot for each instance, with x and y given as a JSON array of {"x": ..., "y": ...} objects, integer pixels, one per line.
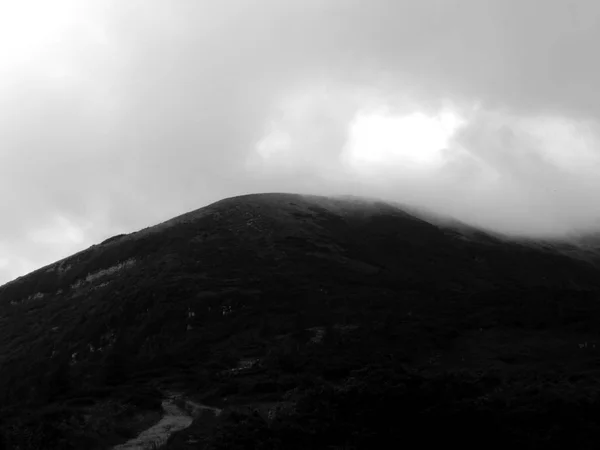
[{"x": 117, "y": 115}]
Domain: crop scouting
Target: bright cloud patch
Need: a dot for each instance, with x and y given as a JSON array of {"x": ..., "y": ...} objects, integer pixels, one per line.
[
  {"x": 28, "y": 27},
  {"x": 331, "y": 128},
  {"x": 44, "y": 36},
  {"x": 412, "y": 142}
]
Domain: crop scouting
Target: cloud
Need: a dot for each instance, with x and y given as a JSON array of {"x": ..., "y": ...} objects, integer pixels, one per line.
[{"x": 121, "y": 115}]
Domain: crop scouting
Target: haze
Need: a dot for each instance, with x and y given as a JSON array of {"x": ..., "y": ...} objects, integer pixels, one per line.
[{"x": 118, "y": 115}]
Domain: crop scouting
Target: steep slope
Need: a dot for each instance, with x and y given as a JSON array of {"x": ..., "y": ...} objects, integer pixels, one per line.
[{"x": 250, "y": 277}]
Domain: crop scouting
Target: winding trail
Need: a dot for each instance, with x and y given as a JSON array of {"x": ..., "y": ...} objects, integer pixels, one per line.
[{"x": 173, "y": 420}]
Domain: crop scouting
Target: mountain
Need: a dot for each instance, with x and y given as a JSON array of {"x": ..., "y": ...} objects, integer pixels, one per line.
[{"x": 353, "y": 321}]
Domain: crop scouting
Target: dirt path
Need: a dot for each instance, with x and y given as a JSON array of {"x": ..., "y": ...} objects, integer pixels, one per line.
[{"x": 174, "y": 419}]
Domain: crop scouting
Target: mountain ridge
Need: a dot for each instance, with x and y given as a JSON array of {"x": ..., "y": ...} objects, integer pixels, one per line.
[{"x": 572, "y": 246}]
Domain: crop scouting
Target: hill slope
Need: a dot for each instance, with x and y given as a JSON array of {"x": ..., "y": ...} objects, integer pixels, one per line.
[{"x": 339, "y": 299}]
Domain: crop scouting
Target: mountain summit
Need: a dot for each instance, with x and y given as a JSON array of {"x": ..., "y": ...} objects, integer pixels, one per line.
[{"x": 352, "y": 311}]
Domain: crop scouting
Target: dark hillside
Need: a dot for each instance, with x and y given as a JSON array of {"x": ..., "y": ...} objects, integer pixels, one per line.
[{"x": 357, "y": 315}]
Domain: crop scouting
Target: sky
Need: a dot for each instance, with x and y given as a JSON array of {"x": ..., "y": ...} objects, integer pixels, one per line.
[{"x": 117, "y": 115}]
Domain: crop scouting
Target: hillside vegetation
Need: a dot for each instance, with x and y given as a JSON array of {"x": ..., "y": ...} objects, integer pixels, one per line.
[{"x": 312, "y": 322}]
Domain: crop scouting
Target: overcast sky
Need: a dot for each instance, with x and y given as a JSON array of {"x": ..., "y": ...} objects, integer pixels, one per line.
[{"x": 116, "y": 115}]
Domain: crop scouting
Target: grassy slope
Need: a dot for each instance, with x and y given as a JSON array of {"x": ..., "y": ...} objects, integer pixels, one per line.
[{"x": 476, "y": 326}]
